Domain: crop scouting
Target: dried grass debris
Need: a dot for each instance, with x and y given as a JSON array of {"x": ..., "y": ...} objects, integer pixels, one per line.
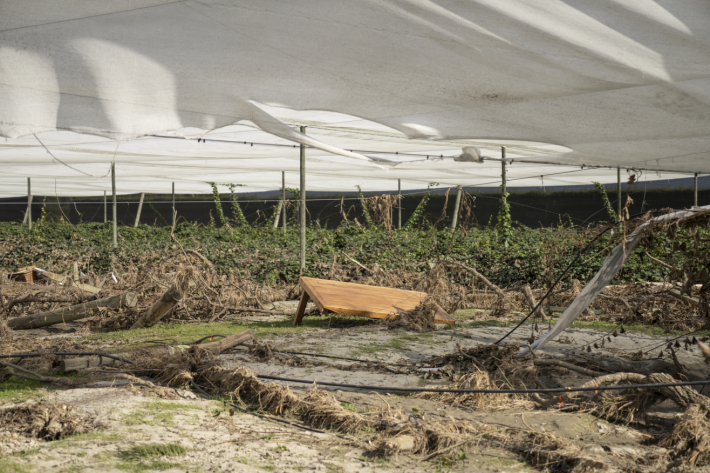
[
  {"x": 419, "y": 319},
  {"x": 43, "y": 421}
]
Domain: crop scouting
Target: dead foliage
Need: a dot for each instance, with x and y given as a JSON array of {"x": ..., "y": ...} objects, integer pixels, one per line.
[
  {"x": 419, "y": 319},
  {"x": 689, "y": 441},
  {"x": 43, "y": 421},
  {"x": 484, "y": 367}
]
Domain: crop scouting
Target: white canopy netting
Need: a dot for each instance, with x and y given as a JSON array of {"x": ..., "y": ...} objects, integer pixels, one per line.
[{"x": 138, "y": 82}]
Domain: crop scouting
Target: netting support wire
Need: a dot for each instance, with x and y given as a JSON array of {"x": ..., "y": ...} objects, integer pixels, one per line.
[
  {"x": 28, "y": 214},
  {"x": 399, "y": 204},
  {"x": 115, "y": 215},
  {"x": 302, "y": 209},
  {"x": 138, "y": 214},
  {"x": 173, "y": 205},
  {"x": 695, "y": 189},
  {"x": 618, "y": 191},
  {"x": 457, "y": 206}
]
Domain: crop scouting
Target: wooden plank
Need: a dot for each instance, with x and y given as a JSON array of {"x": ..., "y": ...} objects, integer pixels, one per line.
[
  {"x": 312, "y": 292},
  {"x": 366, "y": 301},
  {"x": 23, "y": 274},
  {"x": 67, "y": 280}
]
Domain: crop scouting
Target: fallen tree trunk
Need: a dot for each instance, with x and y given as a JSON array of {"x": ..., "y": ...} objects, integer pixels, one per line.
[
  {"x": 163, "y": 305},
  {"x": 74, "y": 312},
  {"x": 29, "y": 298},
  {"x": 84, "y": 362}
]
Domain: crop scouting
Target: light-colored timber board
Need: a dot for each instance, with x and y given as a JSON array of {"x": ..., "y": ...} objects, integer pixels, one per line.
[{"x": 369, "y": 301}]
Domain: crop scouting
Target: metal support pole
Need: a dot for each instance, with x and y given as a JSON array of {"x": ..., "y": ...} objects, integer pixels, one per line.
[
  {"x": 457, "y": 206},
  {"x": 138, "y": 214},
  {"x": 695, "y": 189},
  {"x": 618, "y": 191},
  {"x": 302, "y": 208},
  {"x": 173, "y": 205},
  {"x": 28, "y": 214},
  {"x": 105, "y": 209},
  {"x": 283, "y": 199},
  {"x": 503, "y": 186},
  {"x": 115, "y": 213},
  {"x": 399, "y": 204}
]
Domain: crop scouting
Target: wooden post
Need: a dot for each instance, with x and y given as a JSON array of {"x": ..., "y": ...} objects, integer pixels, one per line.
[
  {"x": 457, "y": 206},
  {"x": 695, "y": 189},
  {"x": 115, "y": 213},
  {"x": 138, "y": 214},
  {"x": 105, "y": 209},
  {"x": 302, "y": 209},
  {"x": 399, "y": 204},
  {"x": 283, "y": 199},
  {"x": 28, "y": 214},
  {"x": 618, "y": 191},
  {"x": 173, "y": 205}
]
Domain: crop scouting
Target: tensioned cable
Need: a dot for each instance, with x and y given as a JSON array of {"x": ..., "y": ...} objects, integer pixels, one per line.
[{"x": 549, "y": 291}]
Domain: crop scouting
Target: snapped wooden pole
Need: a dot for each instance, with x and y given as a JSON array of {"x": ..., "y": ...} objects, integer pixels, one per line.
[
  {"x": 74, "y": 312},
  {"x": 283, "y": 199},
  {"x": 28, "y": 214},
  {"x": 162, "y": 306},
  {"x": 302, "y": 207},
  {"x": 277, "y": 213},
  {"x": 457, "y": 206},
  {"x": 399, "y": 204},
  {"x": 105, "y": 208},
  {"x": 138, "y": 214},
  {"x": 695, "y": 189},
  {"x": 115, "y": 213},
  {"x": 173, "y": 205},
  {"x": 618, "y": 191}
]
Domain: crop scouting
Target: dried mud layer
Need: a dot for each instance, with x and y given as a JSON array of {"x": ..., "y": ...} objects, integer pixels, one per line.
[{"x": 122, "y": 426}]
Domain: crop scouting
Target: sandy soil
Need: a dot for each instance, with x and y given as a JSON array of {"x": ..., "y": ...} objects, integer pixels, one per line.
[{"x": 217, "y": 441}]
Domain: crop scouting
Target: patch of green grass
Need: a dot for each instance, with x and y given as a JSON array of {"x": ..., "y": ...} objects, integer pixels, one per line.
[
  {"x": 299, "y": 467},
  {"x": 280, "y": 448},
  {"x": 144, "y": 452},
  {"x": 140, "y": 467},
  {"x": 333, "y": 468},
  {"x": 190, "y": 332},
  {"x": 96, "y": 438},
  {"x": 349, "y": 407},
  {"x": 141, "y": 458},
  {"x": 7, "y": 466},
  {"x": 74, "y": 469},
  {"x": 20, "y": 389},
  {"x": 157, "y": 413},
  {"x": 651, "y": 330},
  {"x": 267, "y": 467}
]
